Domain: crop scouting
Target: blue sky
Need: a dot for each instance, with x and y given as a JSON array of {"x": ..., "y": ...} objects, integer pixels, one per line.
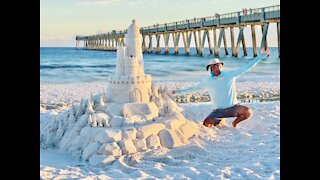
[{"x": 62, "y": 20}]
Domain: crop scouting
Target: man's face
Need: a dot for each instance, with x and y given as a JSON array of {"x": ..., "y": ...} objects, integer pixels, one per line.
[{"x": 216, "y": 68}]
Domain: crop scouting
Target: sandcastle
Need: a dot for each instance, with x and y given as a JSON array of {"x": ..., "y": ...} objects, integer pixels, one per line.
[{"x": 131, "y": 116}]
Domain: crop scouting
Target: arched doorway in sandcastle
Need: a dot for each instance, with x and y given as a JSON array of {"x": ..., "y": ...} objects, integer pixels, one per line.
[{"x": 135, "y": 96}]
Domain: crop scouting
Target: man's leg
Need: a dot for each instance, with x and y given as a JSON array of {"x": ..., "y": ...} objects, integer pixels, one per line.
[{"x": 242, "y": 114}]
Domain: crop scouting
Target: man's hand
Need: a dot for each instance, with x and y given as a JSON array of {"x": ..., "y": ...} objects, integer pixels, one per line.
[{"x": 266, "y": 52}]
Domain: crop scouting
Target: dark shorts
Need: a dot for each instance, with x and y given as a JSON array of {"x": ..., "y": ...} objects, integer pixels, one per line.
[{"x": 225, "y": 113}]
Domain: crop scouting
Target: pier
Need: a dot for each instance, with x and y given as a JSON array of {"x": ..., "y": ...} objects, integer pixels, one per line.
[{"x": 198, "y": 29}]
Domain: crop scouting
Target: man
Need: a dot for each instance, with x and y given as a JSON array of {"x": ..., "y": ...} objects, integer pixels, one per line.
[{"x": 222, "y": 90}]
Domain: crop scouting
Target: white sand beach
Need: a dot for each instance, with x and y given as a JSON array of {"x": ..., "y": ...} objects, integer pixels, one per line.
[{"x": 250, "y": 151}]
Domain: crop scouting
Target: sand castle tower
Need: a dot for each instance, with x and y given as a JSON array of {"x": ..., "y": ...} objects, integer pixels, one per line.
[{"x": 130, "y": 84}]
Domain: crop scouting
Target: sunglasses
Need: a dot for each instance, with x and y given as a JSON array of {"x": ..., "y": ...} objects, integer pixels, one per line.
[{"x": 215, "y": 65}]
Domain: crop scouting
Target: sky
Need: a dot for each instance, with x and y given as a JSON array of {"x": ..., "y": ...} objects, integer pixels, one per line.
[{"x": 62, "y": 20}]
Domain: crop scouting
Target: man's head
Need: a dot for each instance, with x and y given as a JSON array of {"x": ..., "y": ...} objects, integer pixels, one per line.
[{"x": 216, "y": 66}]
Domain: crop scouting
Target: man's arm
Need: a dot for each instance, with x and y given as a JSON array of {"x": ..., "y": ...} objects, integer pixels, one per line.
[
  {"x": 190, "y": 89},
  {"x": 251, "y": 64}
]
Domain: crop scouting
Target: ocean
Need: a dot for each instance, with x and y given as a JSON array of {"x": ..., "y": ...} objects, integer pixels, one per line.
[{"x": 68, "y": 65}]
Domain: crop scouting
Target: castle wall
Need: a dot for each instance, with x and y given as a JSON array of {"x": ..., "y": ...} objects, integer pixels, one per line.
[{"x": 126, "y": 89}]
